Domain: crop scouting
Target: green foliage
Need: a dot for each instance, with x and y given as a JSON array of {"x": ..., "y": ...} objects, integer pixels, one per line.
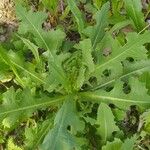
[
  {"x": 105, "y": 120},
  {"x": 121, "y": 97},
  {"x": 119, "y": 145},
  {"x": 80, "y": 85},
  {"x": 59, "y": 137},
  {"x": 134, "y": 12},
  {"x": 12, "y": 146},
  {"x": 50, "y": 5},
  {"x": 32, "y": 47},
  {"x": 21, "y": 104},
  {"x": 97, "y": 32},
  {"x": 77, "y": 14},
  {"x": 36, "y": 132},
  {"x": 50, "y": 41},
  {"x": 128, "y": 143},
  {"x": 133, "y": 48},
  {"x": 116, "y": 144},
  {"x": 86, "y": 47}
]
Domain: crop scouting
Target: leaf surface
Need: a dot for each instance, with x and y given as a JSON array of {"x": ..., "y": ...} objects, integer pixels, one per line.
[
  {"x": 21, "y": 104},
  {"x": 50, "y": 41},
  {"x": 36, "y": 133},
  {"x": 86, "y": 48},
  {"x": 118, "y": 97},
  {"x": 114, "y": 145},
  {"x": 97, "y": 32},
  {"x": 131, "y": 69},
  {"x": 32, "y": 47},
  {"x": 77, "y": 14},
  {"x": 134, "y": 12},
  {"x": 106, "y": 67},
  {"x": 60, "y": 137},
  {"x": 105, "y": 120},
  {"x": 15, "y": 66},
  {"x": 129, "y": 143}
]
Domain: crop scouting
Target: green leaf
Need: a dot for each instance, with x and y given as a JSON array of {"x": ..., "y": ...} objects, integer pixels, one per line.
[
  {"x": 21, "y": 104},
  {"x": 116, "y": 7},
  {"x": 98, "y": 3},
  {"x": 12, "y": 146},
  {"x": 51, "y": 5},
  {"x": 30, "y": 21},
  {"x": 60, "y": 137},
  {"x": 53, "y": 40},
  {"x": 77, "y": 14},
  {"x": 97, "y": 32},
  {"x": 105, "y": 120},
  {"x": 130, "y": 69},
  {"x": 32, "y": 47},
  {"x": 86, "y": 48},
  {"x": 50, "y": 41},
  {"x": 115, "y": 145},
  {"x": 119, "y": 97},
  {"x": 120, "y": 25},
  {"x": 5, "y": 74},
  {"x": 57, "y": 77},
  {"x": 132, "y": 49},
  {"x": 5, "y": 58},
  {"x": 14, "y": 65},
  {"x": 129, "y": 143},
  {"x": 81, "y": 77},
  {"x": 134, "y": 12},
  {"x": 36, "y": 133},
  {"x": 145, "y": 119},
  {"x": 145, "y": 77}
]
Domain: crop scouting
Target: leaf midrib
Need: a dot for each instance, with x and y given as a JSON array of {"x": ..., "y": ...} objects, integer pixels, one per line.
[
  {"x": 97, "y": 35},
  {"x": 42, "y": 136},
  {"x": 38, "y": 34},
  {"x": 100, "y": 28},
  {"x": 119, "y": 55},
  {"x": 50, "y": 54},
  {"x": 60, "y": 126},
  {"x": 135, "y": 16},
  {"x": 95, "y": 96},
  {"x": 17, "y": 65},
  {"x": 48, "y": 102},
  {"x": 106, "y": 133},
  {"x": 121, "y": 77}
]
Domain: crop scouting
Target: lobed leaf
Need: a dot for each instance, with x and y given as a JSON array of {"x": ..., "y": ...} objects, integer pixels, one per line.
[
  {"x": 97, "y": 32},
  {"x": 118, "y": 97},
  {"x": 134, "y": 12},
  {"x": 119, "y": 145},
  {"x": 36, "y": 133},
  {"x": 130, "y": 69},
  {"x": 32, "y": 47},
  {"x": 77, "y": 14},
  {"x": 129, "y": 143},
  {"x": 86, "y": 48},
  {"x": 60, "y": 137},
  {"x": 21, "y": 104},
  {"x": 105, "y": 120},
  {"x": 15, "y": 66},
  {"x": 116, "y": 144},
  {"x": 50, "y": 41},
  {"x": 118, "y": 54}
]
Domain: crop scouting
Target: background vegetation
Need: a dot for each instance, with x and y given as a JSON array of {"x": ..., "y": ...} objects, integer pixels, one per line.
[{"x": 75, "y": 75}]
